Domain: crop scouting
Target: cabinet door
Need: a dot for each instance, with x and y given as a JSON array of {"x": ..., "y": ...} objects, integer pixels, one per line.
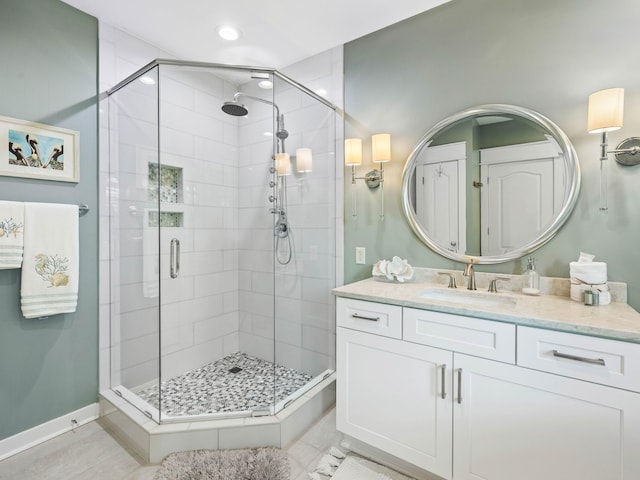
[
  {"x": 390, "y": 395},
  {"x": 514, "y": 423}
]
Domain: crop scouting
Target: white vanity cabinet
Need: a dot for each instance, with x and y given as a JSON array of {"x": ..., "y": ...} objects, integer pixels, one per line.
[
  {"x": 394, "y": 395},
  {"x": 517, "y": 423},
  {"x": 519, "y": 403}
]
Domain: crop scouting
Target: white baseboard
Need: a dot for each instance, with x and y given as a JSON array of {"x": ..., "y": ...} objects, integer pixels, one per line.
[{"x": 46, "y": 431}]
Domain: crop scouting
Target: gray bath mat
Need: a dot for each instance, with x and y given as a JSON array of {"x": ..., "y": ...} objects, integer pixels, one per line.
[{"x": 245, "y": 464}]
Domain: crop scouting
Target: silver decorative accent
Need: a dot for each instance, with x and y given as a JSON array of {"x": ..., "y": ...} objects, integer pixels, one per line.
[
  {"x": 628, "y": 152},
  {"x": 452, "y": 279},
  {"x": 493, "y": 283},
  {"x": 83, "y": 209},
  {"x": 470, "y": 272},
  {"x": 174, "y": 262},
  {"x": 372, "y": 179},
  {"x": 572, "y": 182},
  {"x": 594, "y": 361},
  {"x": 443, "y": 372},
  {"x": 362, "y": 317}
]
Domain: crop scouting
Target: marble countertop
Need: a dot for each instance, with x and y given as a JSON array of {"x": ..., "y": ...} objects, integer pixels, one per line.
[{"x": 556, "y": 311}]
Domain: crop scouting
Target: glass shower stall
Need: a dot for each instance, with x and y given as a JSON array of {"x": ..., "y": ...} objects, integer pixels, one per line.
[{"x": 222, "y": 240}]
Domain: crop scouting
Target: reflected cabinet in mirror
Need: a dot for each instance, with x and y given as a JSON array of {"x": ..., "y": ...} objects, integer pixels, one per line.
[{"x": 490, "y": 184}]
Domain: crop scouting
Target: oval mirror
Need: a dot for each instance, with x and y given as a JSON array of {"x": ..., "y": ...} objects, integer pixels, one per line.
[{"x": 490, "y": 184}]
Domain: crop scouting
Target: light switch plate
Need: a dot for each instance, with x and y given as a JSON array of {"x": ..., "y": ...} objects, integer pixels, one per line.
[{"x": 361, "y": 256}]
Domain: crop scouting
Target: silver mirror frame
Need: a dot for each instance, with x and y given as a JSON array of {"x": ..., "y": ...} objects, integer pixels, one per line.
[{"x": 573, "y": 181}]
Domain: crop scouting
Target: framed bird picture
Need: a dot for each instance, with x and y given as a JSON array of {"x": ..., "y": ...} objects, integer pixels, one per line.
[{"x": 35, "y": 150}]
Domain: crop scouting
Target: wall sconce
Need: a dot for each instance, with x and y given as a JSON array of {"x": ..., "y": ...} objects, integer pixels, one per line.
[
  {"x": 606, "y": 108},
  {"x": 304, "y": 160},
  {"x": 380, "y": 153}
]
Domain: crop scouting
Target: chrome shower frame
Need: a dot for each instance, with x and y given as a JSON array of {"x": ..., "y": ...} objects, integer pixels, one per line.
[
  {"x": 184, "y": 63},
  {"x": 281, "y": 225}
]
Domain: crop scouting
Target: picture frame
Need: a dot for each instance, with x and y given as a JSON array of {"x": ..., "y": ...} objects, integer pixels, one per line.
[{"x": 35, "y": 150}]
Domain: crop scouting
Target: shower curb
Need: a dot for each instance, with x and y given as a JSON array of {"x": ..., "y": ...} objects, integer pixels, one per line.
[{"x": 152, "y": 441}]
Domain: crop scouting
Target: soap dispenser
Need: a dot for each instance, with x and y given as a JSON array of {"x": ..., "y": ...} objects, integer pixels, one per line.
[{"x": 531, "y": 279}]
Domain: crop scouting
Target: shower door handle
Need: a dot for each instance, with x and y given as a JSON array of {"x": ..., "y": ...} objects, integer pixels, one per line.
[{"x": 174, "y": 260}]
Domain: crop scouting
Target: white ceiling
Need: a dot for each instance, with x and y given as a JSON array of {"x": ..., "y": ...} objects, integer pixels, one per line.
[{"x": 275, "y": 33}]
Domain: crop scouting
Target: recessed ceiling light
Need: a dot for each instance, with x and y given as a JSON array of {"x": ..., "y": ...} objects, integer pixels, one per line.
[
  {"x": 321, "y": 91},
  {"x": 147, "y": 80},
  {"x": 228, "y": 32},
  {"x": 266, "y": 84}
]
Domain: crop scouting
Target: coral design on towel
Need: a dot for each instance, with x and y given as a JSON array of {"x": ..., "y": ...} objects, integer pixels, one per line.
[
  {"x": 53, "y": 269},
  {"x": 9, "y": 227}
]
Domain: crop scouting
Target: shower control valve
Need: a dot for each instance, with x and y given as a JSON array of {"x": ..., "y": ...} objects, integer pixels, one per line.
[
  {"x": 272, "y": 184},
  {"x": 272, "y": 198},
  {"x": 272, "y": 169}
]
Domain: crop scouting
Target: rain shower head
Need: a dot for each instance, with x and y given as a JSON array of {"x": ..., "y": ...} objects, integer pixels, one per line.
[{"x": 234, "y": 108}]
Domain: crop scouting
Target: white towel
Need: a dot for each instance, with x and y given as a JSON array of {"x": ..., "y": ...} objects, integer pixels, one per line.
[
  {"x": 592, "y": 273},
  {"x": 11, "y": 234},
  {"x": 51, "y": 259}
]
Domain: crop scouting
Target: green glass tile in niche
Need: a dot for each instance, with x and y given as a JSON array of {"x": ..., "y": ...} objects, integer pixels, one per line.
[
  {"x": 166, "y": 182},
  {"x": 167, "y": 219}
]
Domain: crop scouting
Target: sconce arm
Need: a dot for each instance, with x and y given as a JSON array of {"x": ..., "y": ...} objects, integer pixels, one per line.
[{"x": 372, "y": 178}]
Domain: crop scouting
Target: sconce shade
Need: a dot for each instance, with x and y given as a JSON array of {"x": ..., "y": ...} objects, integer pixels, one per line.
[
  {"x": 304, "y": 160},
  {"x": 605, "y": 110},
  {"x": 283, "y": 164},
  {"x": 381, "y": 148},
  {"x": 353, "y": 151}
]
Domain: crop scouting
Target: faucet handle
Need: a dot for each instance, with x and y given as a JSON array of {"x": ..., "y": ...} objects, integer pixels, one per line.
[
  {"x": 493, "y": 287},
  {"x": 452, "y": 279}
]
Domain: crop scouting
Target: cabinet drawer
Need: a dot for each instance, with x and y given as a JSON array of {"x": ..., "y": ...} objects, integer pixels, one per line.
[
  {"x": 598, "y": 360},
  {"x": 371, "y": 317},
  {"x": 474, "y": 336}
]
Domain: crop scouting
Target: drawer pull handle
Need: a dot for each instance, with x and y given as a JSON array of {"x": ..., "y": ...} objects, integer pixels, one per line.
[
  {"x": 459, "y": 386},
  {"x": 362, "y": 317},
  {"x": 443, "y": 372},
  {"x": 594, "y": 361}
]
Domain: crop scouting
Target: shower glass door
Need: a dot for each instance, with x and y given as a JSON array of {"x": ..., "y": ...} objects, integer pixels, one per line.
[
  {"x": 216, "y": 273},
  {"x": 134, "y": 237},
  {"x": 304, "y": 251}
]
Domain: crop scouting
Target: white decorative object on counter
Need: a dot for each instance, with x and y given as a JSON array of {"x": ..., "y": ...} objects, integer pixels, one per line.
[{"x": 396, "y": 270}]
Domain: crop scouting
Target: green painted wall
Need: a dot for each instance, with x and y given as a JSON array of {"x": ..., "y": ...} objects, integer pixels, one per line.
[
  {"x": 544, "y": 55},
  {"x": 49, "y": 58}
]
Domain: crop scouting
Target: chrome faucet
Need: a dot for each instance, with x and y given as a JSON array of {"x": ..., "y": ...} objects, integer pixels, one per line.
[
  {"x": 493, "y": 283},
  {"x": 469, "y": 272},
  {"x": 452, "y": 279}
]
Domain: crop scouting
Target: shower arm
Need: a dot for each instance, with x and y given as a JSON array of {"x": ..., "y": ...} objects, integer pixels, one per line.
[
  {"x": 258, "y": 99},
  {"x": 279, "y": 119}
]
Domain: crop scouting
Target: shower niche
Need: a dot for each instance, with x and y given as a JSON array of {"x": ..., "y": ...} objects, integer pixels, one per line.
[{"x": 222, "y": 258}]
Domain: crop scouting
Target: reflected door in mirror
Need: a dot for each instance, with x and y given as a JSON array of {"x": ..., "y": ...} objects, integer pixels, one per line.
[
  {"x": 440, "y": 194},
  {"x": 521, "y": 195}
]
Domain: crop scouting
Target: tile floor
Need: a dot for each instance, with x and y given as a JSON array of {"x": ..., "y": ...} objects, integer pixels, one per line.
[
  {"x": 90, "y": 453},
  {"x": 234, "y": 383}
]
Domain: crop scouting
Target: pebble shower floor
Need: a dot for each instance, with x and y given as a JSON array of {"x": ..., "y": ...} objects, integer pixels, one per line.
[{"x": 214, "y": 388}]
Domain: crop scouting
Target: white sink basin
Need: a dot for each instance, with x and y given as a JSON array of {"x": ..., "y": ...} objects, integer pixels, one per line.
[{"x": 468, "y": 298}]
